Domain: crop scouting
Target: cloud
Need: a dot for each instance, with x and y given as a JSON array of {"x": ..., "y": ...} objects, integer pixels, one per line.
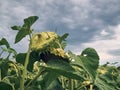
[{"x": 89, "y": 23}]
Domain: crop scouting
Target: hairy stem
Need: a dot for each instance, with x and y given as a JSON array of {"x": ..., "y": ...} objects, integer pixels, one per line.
[
  {"x": 91, "y": 87},
  {"x": 25, "y": 69},
  {"x": 71, "y": 84},
  {"x": 0, "y": 75}
]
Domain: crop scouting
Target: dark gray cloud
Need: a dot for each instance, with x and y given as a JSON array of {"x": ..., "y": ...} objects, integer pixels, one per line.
[
  {"x": 86, "y": 21},
  {"x": 107, "y": 10}
]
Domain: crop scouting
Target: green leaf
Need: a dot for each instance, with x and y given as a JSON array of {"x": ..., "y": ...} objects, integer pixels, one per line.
[
  {"x": 5, "y": 86},
  {"x": 63, "y": 68},
  {"x": 90, "y": 53},
  {"x": 17, "y": 27},
  {"x": 3, "y": 41},
  {"x": 76, "y": 63},
  {"x": 55, "y": 85},
  {"x": 25, "y": 29},
  {"x": 10, "y": 50},
  {"x": 21, "y": 34},
  {"x": 4, "y": 66},
  {"x": 48, "y": 79},
  {"x": 102, "y": 84},
  {"x": 29, "y": 21},
  {"x": 20, "y": 58},
  {"x": 63, "y": 41},
  {"x": 108, "y": 75},
  {"x": 90, "y": 60},
  {"x": 63, "y": 37},
  {"x": 75, "y": 60}
]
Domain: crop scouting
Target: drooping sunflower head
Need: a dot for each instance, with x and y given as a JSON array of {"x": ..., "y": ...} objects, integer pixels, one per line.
[
  {"x": 41, "y": 41},
  {"x": 48, "y": 44}
]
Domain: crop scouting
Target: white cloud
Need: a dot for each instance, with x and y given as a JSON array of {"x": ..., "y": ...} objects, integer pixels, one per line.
[
  {"x": 21, "y": 11},
  {"x": 104, "y": 46},
  {"x": 104, "y": 33},
  {"x": 83, "y": 3}
]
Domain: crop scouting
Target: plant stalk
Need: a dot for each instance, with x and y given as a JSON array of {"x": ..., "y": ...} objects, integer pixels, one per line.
[
  {"x": 39, "y": 73},
  {"x": 0, "y": 75},
  {"x": 25, "y": 69}
]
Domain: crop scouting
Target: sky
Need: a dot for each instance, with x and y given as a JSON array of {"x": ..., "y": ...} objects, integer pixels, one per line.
[{"x": 90, "y": 23}]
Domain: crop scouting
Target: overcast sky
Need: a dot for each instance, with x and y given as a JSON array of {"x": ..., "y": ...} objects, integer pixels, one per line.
[{"x": 90, "y": 23}]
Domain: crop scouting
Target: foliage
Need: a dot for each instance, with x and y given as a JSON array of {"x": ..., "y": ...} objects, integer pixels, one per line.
[{"x": 46, "y": 65}]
